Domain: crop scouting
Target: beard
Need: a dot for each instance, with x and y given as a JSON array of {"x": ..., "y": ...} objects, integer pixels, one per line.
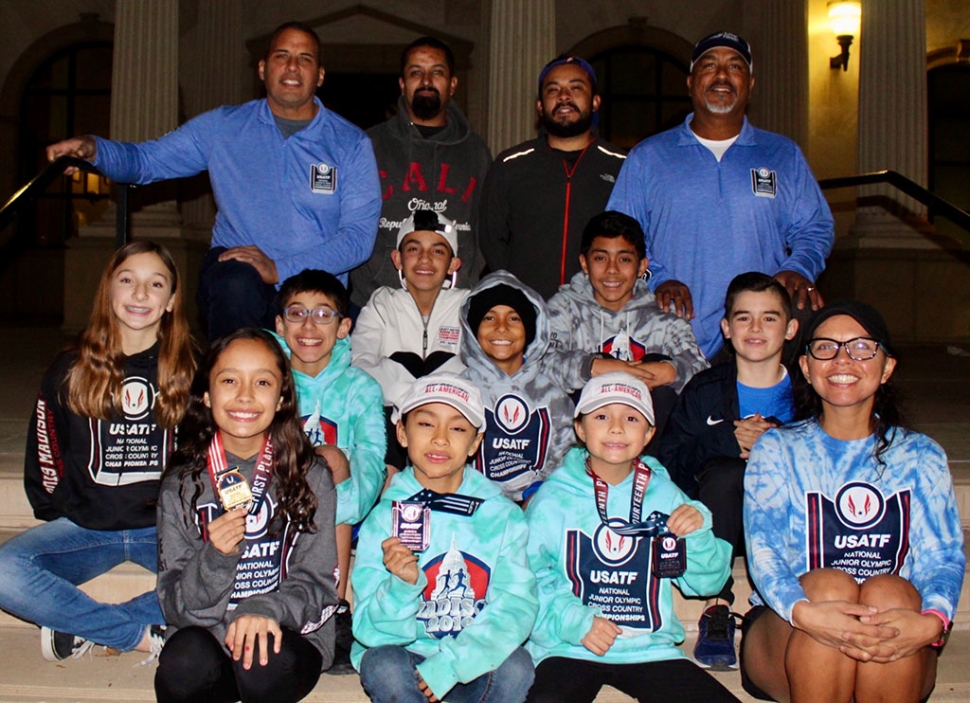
[
  {"x": 426, "y": 104},
  {"x": 565, "y": 130}
]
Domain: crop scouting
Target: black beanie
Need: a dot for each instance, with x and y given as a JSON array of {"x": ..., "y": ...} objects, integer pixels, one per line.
[{"x": 503, "y": 294}]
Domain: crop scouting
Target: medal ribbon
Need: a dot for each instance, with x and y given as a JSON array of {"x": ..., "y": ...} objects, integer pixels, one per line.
[
  {"x": 656, "y": 522},
  {"x": 453, "y": 503},
  {"x": 262, "y": 473}
]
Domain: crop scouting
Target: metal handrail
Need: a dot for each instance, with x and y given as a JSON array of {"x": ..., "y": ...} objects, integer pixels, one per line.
[
  {"x": 935, "y": 204},
  {"x": 39, "y": 183}
]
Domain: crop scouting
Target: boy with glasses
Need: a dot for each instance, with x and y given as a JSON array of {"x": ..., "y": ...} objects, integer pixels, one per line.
[{"x": 340, "y": 407}]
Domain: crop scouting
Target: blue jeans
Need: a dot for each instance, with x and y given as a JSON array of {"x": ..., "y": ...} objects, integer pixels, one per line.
[
  {"x": 388, "y": 674},
  {"x": 41, "y": 568}
]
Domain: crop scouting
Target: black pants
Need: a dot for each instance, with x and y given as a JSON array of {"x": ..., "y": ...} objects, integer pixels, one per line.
[
  {"x": 232, "y": 295},
  {"x": 563, "y": 680},
  {"x": 194, "y": 667},
  {"x": 720, "y": 486}
]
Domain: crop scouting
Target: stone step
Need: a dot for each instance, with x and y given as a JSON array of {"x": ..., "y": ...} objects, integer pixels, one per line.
[
  {"x": 127, "y": 581},
  {"x": 29, "y": 679}
]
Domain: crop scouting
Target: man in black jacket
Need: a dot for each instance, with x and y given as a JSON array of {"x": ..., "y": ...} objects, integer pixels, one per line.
[
  {"x": 540, "y": 194},
  {"x": 429, "y": 159}
]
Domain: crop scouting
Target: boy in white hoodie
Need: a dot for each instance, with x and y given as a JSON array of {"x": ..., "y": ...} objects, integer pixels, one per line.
[{"x": 408, "y": 332}]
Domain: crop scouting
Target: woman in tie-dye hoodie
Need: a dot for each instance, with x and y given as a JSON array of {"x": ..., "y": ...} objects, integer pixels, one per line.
[{"x": 853, "y": 536}]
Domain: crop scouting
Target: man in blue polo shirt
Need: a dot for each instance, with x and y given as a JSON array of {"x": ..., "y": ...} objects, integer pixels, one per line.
[
  {"x": 295, "y": 184},
  {"x": 717, "y": 197}
]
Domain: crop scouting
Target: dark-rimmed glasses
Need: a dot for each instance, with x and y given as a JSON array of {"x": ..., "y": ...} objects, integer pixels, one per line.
[
  {"x": 320, "y": 316},
  {"x": 858, "y": 348}
]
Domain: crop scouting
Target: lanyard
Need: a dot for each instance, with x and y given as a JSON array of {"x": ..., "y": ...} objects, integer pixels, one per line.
[
  {"x": 453, "y": 503},
  {"x": 656, "y": 522},
  {"x": 217, "y": 464}
]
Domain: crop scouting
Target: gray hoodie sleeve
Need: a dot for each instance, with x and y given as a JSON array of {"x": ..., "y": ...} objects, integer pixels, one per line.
[
  {"x": 685, "y": 355},
  {"x": 195, "y": 579}
]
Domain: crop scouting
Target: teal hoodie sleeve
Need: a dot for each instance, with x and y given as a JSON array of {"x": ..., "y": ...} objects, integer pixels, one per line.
[
  {"x": 385, "y": 606},
  {"x": 503, "y": 624},
  {"x": 357, "y": 495},
  {"x": 562, "y": 615}
]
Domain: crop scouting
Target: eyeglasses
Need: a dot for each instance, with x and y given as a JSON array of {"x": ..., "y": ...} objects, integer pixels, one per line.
[
  {"x": 859, "y": 348},
  {"x": 321, "y": 316}
]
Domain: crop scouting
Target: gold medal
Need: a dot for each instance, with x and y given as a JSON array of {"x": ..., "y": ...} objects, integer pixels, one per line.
[{"x": 234, "y": 490}]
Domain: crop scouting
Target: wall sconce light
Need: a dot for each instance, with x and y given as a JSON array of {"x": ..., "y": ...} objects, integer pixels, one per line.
[{"x": 845, "y": 17}]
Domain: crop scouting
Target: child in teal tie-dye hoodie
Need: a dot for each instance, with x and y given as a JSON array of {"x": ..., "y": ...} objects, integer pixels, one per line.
[
  {"x": 446, "y": 621},
  {"x": 602, "y": 528}
]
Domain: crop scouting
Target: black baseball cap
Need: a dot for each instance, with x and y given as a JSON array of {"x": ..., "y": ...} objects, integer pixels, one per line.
[
  {"x": 865, "y": 315},
  {"x": 728, "y": 39}
]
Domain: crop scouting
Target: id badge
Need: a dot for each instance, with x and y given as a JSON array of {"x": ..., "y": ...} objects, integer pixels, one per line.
[
  {"x": 411, "y": 523},
  {"x": 234, "y": 490},
  {"x": 669, "y": 556}
]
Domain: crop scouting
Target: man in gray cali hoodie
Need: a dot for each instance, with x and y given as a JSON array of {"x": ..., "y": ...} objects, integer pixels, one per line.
[
  {"x": 427, "y": 161},
  {"x": 528, "y": 414}
]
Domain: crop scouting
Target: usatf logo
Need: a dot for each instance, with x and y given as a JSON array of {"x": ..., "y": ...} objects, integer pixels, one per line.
[
  {"x": 859, "y": 505},
  {"x": 511, "y": 414},
  {"x": 256, "y": 525},
  {"x": 611, "y": 548},
  {"x": 136, "y": 398},
  {"x": 669, "y": 544}
]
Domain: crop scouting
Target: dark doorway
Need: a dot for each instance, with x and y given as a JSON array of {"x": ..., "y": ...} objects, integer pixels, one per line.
[
  {"x": 949, "y": 116},
  {"x": 69, "y": 94},
  {"x": 644, "y": 92},
  {"x": 366, "y": 99}
]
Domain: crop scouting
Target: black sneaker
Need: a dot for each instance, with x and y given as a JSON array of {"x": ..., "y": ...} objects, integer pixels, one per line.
[
  {"x": 56, "y": 646},
  {"x": 156, "y": 640},
  {"x": 341, "y": 663},
  {"x": 715, "y": 639},
  {"x": 343, "y": 621}
]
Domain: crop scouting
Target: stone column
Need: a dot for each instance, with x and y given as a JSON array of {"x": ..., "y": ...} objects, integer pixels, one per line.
[
  {"x": 216, "y": 79},
  {"x": 892, "y": 119},
  {"x": 144, "y": 105},
  {"x": 522, "y": 40},
  {"x": 781, "y": 69}
]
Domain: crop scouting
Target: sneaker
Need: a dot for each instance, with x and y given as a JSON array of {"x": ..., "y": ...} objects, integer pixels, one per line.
[
  {"x": 341, "y": 663},
  {"x": 715, "y": 639},
  {"x": 344, "y": 625},
  {"x": 156, "y": 640},
  {"x": 56, "y": 646}
]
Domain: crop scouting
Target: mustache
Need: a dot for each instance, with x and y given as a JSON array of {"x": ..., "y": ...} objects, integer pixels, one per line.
[{"x": 427, "y": 89}]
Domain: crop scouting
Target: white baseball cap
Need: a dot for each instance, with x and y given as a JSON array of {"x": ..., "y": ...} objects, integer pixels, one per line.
[
  {"x": 429, "y": 221},
  {"x": 616, "y": 387},
  {"x": 447, "y": 388}
]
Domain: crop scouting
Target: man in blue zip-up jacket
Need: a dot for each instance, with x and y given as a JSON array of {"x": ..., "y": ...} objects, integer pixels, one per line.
[
  {"x": 296, "y": 185},
  {"x": 717, "y": 197}
]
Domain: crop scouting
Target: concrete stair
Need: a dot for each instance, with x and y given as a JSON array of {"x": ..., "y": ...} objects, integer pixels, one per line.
[{"x": 939, "y": 385}]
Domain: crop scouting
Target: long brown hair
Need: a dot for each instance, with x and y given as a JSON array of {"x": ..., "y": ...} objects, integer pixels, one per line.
[
  {"x": 95, "y": 380},
  {"x": 291, "y": 449}
]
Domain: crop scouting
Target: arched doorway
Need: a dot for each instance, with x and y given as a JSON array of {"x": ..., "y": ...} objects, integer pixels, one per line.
[{"x": 642, "y": 75}]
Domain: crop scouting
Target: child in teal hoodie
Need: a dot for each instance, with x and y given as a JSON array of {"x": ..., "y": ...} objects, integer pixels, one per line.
[
  {"x": 340, "y": 408},
  {"x": 607, "y": 530},
  {"x": 441, "y": 610}
]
